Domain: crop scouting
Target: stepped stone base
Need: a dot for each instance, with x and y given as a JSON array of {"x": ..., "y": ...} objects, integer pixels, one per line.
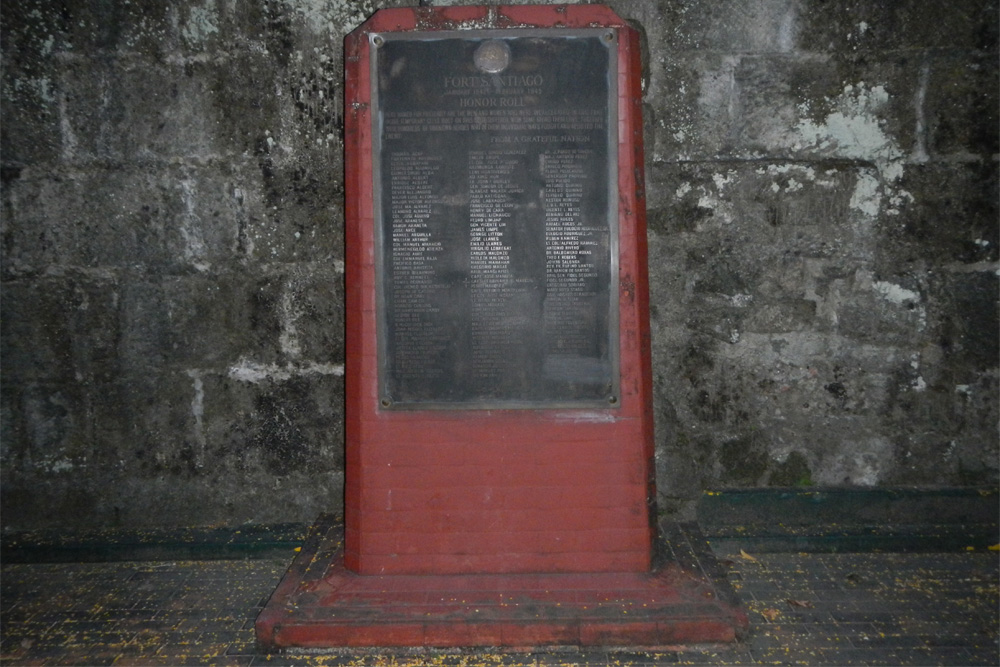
[{"x": 684, "y": 600}]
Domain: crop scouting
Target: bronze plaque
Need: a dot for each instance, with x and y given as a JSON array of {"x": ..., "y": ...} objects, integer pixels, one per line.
[{"x": 495, "y": 167}]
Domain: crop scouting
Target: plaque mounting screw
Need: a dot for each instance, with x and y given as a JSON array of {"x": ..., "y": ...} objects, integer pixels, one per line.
[
  {"x": 609, "y": 36},
  {"x": 385, "y": 402},
  {"x": 378, "y": 40},
  {"x": 613, "y": 400}
]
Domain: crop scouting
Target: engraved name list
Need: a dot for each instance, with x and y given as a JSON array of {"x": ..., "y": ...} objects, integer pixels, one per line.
[{"x": 497, "y": 222}]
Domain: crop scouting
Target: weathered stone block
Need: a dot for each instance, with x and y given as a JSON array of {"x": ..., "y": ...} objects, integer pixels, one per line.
[
  {"x": 743, "y": 460},
  {"x": 29, "y": 83},
  {"x": 794, "y": 470},
  {"x": 133, "y": 110},
  {"x": 86, "y": 27},
  {"x": 219, "y": 498},
  {"x": 144, "y": 425},
  {"x": 207, "y": 320},
  {"x": 892, "y": 311},
  {"x": 30, "y": 131},
  {"x": 822, "y": 395},
  {"x": 170, "y": 220},
  {"x": 849, "y": 452},
  {"x": 748, "y": 27},
  {"x": 680, "y": 476},
  {"x": 61, "y": 330},
  {"x": 774, "y": 242},
  {"x": 278, "y": 422},
  {"x": 201, "y": 321},
  {"x": 781, "y": 316},
  {"x": 965, "y": 313},
  {"x": 961, "y": 103},
  {"x": 32, "y": 238},
  {"x": 871, "y": 25},
  {"x": 298, "y": 216},
  {"x": 247, "y": 121},
  {"x": 314, "y": 314},
  {"x": 952, "y": 217},
  {"x": 771, "y": 98},
  {"x": 712, "y": 105},
  {"x": 51, "y": 429},
  {"x": 787, "y": 208},
  {"x": 692, "y": 95},
  {"x": 934, "y": 458},
  {"x": 40, "y": 501}
]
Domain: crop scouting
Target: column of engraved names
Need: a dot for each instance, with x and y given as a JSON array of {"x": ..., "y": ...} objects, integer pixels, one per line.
[
  {"x": 490, "y": 206},
  {"x": 569, "y": 248},
  {"x": 416, "y": 335}
]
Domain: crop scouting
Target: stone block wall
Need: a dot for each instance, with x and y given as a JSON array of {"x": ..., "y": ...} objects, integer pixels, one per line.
[
  {"x": 822, "y": 207},
  {"x": 823, "y": 230}
]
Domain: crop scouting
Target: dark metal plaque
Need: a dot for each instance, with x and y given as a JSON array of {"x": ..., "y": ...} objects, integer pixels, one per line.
[{"x": 496, "y": 218}]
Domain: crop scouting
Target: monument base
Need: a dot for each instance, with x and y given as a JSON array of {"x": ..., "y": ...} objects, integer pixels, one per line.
[{"x": 684, "y": 600}]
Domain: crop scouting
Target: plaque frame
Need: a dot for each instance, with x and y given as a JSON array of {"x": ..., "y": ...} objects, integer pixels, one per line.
[{"x": 608, "y": 38}]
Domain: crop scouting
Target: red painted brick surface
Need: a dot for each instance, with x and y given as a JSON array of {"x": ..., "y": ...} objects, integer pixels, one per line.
[
  {"x": 500, "y": 490},
  {"x": 320, "y": 603}
]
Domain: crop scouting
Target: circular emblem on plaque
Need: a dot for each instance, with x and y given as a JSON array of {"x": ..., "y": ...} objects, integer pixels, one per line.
[{"x": 492, "y": 56}]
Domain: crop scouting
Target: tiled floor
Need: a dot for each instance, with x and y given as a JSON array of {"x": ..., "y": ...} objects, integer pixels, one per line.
[
  {"x": 880, "y": 609},
  {"x": 818, "y": 609}
]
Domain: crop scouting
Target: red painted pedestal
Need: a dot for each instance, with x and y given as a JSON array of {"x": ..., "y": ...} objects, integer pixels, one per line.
[
  {"x": 487, "y": 491},
  {"x": 683, "y": 600},
  {"x": 461, "y": 524}
]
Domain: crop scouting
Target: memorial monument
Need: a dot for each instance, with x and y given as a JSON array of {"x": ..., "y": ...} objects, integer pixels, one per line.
[{"x": 499, "y": 478}]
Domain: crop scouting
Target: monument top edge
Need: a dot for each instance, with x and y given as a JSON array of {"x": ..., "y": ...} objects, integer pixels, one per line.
[{"x": 490, "y": 17}]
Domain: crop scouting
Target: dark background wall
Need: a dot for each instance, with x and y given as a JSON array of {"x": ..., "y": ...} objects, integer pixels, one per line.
[{"x": 822, "y": 205}]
